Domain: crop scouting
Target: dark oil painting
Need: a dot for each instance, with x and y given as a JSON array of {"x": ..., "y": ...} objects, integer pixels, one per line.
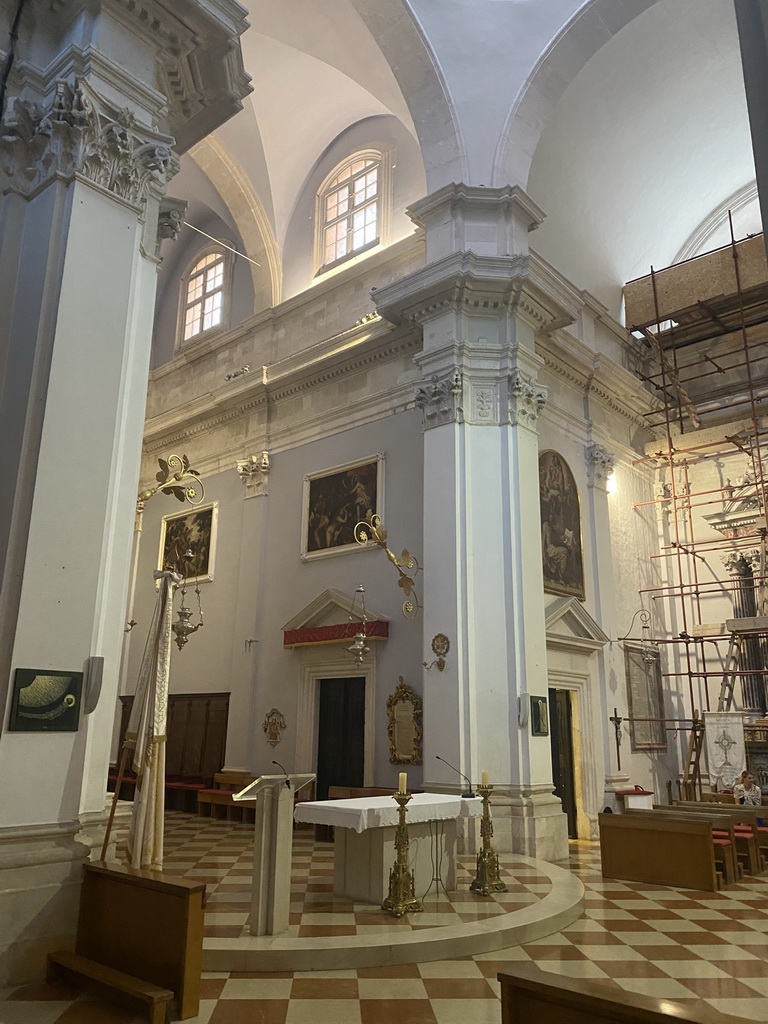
[
  {"x": 560, "y": 527},
  {"x": 338, "y": 501}
]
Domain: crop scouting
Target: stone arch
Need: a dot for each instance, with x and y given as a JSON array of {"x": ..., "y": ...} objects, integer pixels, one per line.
[
  {"x": 396, "y": 30},
  {"x": 585, "y": 33},
  {"x": 230, "y": 181}
]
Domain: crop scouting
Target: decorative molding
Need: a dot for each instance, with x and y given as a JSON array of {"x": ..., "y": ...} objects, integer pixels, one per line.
[
  {"x": 80, "y": 133},
  {"x": 599, "y": 465},
  {"x": 254, "y": 473},
  {"x": 526, "y": 400},
  {"x": 440, "y": 399},
  {"x": 743, "y": 563}
]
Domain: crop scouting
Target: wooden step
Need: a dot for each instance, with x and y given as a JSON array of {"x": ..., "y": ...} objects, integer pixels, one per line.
[{"x": 155, "y": 998}]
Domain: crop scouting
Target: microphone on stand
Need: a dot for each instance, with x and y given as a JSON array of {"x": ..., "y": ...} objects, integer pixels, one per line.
[
  {"x": 469, "y": 792},
  {"x": 285, "y": 773}
]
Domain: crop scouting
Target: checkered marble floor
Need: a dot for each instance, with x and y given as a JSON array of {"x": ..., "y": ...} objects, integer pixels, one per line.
[{"x": 711, "y": 948}]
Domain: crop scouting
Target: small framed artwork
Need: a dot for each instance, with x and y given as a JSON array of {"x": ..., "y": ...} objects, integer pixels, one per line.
[
  {"x": 539, "y": 716},
  {"x": 335, "y": 501},
  {"x": 188, "y": 542},
  {"x": 45, "y": 700}
]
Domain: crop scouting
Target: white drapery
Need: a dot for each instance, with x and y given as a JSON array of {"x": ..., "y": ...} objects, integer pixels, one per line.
[
  {"x": 726, "y": 752},
  {"x": 146, "y": 734}
]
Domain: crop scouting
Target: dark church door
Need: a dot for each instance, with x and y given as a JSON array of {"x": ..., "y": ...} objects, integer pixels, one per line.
[
  {"x": 341, "y": 739},
  {"x": 561, "y": 740}
]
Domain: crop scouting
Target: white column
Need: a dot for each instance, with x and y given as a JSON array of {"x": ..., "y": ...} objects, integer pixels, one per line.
[
  {"x": 85, "y": 156},
  {"x": 483, "y": 581}
]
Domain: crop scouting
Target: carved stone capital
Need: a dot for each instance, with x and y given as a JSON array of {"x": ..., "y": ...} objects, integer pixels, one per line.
[
  {"x": 742, "y": 563},
  {"x": 170, "y": 218},
  {"x": 80, "y": 133},
  {"x": 254, "y": 472},
  {"x": 440, "y": 399},
  {"x": 599, "y": 465},
  {"x": 526, "y": 400}
]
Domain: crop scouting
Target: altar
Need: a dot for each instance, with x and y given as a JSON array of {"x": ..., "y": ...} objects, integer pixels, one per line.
[{"x": 364, "y": 840}]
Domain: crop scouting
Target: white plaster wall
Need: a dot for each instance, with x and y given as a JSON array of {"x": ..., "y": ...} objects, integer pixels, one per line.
[{"x": 260, "y": 583}]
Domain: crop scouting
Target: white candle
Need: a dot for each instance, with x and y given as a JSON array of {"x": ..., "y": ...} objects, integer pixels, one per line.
[
  {"x": 402, "y": 786},
  {"x": 484, "y": 777}
]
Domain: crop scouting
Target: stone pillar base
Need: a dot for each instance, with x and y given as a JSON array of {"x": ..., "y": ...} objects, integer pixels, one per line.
[
  {"x": 529, "y": 820},
  {"x": 40, "y": 877},
  {"x": 613, "y": 783},
  {"x": 93, "y": 826}
]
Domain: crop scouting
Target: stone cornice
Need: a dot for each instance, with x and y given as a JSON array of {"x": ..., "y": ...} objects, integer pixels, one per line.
[
  {"x": 403, "y": 252},
  {"x": 455, "y": 195},
  {"x": 204, "y": 88},
  {"x": 325, "y": 363},
  {"x": 463, "y": 282}
]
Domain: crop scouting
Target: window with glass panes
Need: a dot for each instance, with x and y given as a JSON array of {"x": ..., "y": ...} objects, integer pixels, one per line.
[
  {"x": 351, "y": 210},
  {"x": 205, "y": 295}
]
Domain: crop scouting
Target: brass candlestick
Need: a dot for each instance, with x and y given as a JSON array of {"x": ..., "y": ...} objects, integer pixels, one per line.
[
  {"x": 487, "y": 878},
  {"x": 401, "y": 896}
]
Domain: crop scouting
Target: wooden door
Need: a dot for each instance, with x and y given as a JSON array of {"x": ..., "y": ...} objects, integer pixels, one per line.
[
  {"x": 561, "y": 740},
  {"x": 341, "y": 734}
]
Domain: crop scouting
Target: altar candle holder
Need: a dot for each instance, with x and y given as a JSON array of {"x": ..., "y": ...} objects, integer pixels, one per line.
[
  {"x": 401, "y": 898},
  {"x": 487, "y": 878}
]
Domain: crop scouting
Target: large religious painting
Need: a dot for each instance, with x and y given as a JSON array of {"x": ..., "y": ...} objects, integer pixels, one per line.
[
  {"x": 188, "y": 543},
  {"x": 645, "y": 698},
  {"x": 560, "y": 527},
  {"x": 335, "y": 501}
]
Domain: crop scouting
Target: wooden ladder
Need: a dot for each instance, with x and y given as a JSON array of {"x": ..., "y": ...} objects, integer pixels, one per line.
[
  {"x": 725, "y": 699},
  {"x": 692, "y": 769}
]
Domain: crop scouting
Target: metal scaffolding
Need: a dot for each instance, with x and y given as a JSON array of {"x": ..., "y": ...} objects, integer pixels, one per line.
[{"x": 705, "y": 323}]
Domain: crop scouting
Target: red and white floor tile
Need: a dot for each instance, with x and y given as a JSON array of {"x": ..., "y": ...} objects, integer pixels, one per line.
[{"x": 711, "y": 948}]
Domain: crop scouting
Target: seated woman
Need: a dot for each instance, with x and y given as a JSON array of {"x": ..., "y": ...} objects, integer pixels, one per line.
[{"x": 746, "y": 791}]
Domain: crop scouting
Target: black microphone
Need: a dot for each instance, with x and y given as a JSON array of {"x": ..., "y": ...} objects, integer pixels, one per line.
[
  {"x": 285, "y": 773},
  {"x": 469, "y": 792}
]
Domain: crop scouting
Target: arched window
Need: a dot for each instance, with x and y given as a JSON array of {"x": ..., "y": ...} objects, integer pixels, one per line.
[
  {"x": 203, "y": 294},
  {"x": 352, "y": 207}
]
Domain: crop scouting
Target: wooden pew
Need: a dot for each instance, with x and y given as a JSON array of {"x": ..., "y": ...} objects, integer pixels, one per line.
[
  {"x": 660, "y": 849},
  {"x": 745, "y": 816},
  {"x": 732, "y": 853},
  {"x": 533, "y": 996},
  {"x": 217, "y": 801},
  {"x": 139, "y": 933},
  {"x": 725, "y": 826}
]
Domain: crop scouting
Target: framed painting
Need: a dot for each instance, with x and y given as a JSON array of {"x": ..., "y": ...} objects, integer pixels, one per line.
[
  {"x": 561, "y": 549},
  {"x": 539, "y": 716},
  {"x": 45, "y": 700},
  {"x": 335, "y": 501},
  {"x": 645, "y": 698},
  {"x": 188, "y": 542}
]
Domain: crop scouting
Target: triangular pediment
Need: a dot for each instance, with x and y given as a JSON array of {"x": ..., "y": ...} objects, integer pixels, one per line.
[
  {"x": 331, "y": 608},
  {"x": 570, "y": 625}
]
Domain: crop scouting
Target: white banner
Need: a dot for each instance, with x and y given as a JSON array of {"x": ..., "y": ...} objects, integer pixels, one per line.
[{"x": 726, "y": 753}]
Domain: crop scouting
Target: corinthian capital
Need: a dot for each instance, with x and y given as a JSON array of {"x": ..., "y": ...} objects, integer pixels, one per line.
[
  {"x": 526, "y": 400},
  {"x": 439, "y": 399},
  {"x": 254, "y": 472},
  {"x": 599, "y": 464},
  {"x": 80, "y": 133}
]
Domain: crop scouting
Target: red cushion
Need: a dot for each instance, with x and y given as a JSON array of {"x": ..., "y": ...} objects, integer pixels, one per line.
[{"x": 721, "y": 842}]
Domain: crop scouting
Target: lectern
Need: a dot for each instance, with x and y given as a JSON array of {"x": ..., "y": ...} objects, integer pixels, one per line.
[{"x": 272, "y": 849}]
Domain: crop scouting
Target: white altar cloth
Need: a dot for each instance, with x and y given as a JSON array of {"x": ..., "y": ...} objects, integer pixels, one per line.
[
  {"x": 380, "y": 811},
  {"x": 364, "y": 840}
]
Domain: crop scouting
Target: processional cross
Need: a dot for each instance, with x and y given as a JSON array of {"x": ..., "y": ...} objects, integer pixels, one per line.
[{"x": 725, "y": 742}]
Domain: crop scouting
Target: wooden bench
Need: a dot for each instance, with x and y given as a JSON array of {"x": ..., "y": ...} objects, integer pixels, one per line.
[
  {"x": 139, "y": 934},
  {"x": 751, "y": 842},
  {"x": 533, "y": 996},
  {"x": 658, "y": 849},
  {"x": 62, "y": 965},
  {"x": 732, "y": 853},
  {"x": 217, "y": 801}
]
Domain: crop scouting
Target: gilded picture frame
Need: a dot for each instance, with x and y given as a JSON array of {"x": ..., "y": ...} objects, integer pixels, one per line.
[
  {"x": 45, "y": 700},
  {"x": 404, "y": 729},
  {"x": 562, "y": 551},
  {"x": 334, "y": 501},
  {"x": 193, "y": 530}
]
